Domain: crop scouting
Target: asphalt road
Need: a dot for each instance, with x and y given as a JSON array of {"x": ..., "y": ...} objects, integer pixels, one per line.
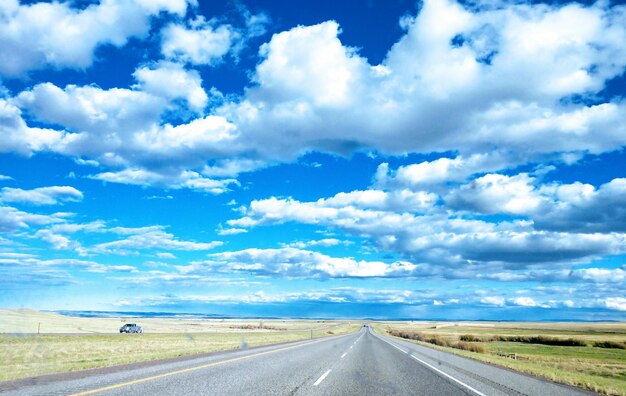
[{"x": 363, "y": 363}]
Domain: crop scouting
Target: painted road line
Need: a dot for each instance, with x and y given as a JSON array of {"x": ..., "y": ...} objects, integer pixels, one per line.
[
  {"x": 187, "y": 370},
  {"x": 320, "y": 379},
  {"x": 479, "y": 393},
  {"x": 449, "y": 376},
  {"x": 344, "y": 355}
]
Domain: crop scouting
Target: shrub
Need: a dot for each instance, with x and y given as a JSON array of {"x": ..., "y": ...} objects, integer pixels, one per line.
[
  {"x": 543, "y": 340},
  {"x": 609, "y": 344},
  {"x": 470, "y": 346},
  {"x": 409, "y": 335},
  {"x": 437, "y": 340},
  {"x": 470, "y": 338}
]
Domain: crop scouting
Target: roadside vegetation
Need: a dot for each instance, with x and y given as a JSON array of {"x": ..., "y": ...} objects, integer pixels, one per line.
[
  {"x": 31, "y": 354},
  {"x": 588, "y": 355}
]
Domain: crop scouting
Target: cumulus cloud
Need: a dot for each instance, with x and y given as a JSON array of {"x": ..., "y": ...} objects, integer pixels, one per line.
[
  {"x": 33, "y": 36},
  {"x": 201, "y": 43},
  {"x": 617, "y": 303},
  {"x": 463, "y": 92},
  {"x": 41, "y": 196},
  {"x": 18, "y": 137},
  {"x": 297, "y": 263},
  {"x": 495, "y": 193},
  {"x": 92, "y": 109},
  {"x": 583, "y": 208},
  {"x": 524, "y": 302},
  {"x": 438, "y": 237},
  {"x": 172, "y": 81},
  {"x": 493, "y": 300},
  {"x": 207, "y": 42},
  {"x": 481, "y": 81},
  {"x": 121, "y": 128},
  {"x": 442, "y": 170}
]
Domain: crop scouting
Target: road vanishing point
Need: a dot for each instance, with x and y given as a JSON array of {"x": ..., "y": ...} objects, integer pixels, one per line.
[{"x": 362, "y": 363}]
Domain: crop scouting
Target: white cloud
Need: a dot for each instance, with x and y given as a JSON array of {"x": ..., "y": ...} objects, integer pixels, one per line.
[
  {"x": 326, "y": 242},
  {"x": 495, "y": 193},
  {"x": 42, "y": 195},
  {"x": 583, "y": 208},
  {"x": 472, "y": 85},
  {"x": 441, "y": 170},
  {"x": 165, "y": 255},
  {"x": 37, "y": 35},
  {"x": 309, "y": 65},
  {"x": 172, "y": 81},
  {"x": 36, "y": 266},
  {"x": 202, "y": 43},
  {"x": 339, "y": 294},
  {"x": 593, "y": 275},
  {"x": 18, "y": 137},
  {"x": 231, "y": 231},
  {"x": 93, "y": 113},
  {"x": 524, "y": 302},
  {"x": 297, "y": 263},
  {"x": 184, "y": 179},
  {"x": 617, "y": 303},
  {"x": 149, "y": 238},
  {"x": 440, "y": 237},
  {"x": 12, "y": 219},
  {"x": 149, "y": 152},
  {"x": 493, "y": 300},
  {"x": 58, "y": 241},
  {"x": 476, "y": 102}
]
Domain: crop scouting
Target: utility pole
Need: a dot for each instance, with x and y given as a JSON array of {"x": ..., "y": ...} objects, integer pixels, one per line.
[{"x": 38, "y": 327}]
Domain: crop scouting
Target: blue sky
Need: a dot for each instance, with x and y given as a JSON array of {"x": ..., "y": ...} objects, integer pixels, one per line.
[{"x": 369, "y": 159}]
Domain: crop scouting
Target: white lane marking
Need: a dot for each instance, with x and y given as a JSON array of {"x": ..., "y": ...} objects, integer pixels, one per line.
[
  {"x": 351, "y": 346},
  {"x": 479, "y": 393},
  {"x": 320, "y": 379},
  {"x": 449, "y": 376},
  {"x": 344, "y": 355}
]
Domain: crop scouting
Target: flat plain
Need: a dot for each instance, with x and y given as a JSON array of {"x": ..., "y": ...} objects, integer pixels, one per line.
[
  {"x": 67, "y": 343},
  {"x": 595, "y": 359}
]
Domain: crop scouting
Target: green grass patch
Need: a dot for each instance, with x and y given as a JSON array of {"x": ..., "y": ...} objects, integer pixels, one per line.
[{"x": 600, "y": 369}]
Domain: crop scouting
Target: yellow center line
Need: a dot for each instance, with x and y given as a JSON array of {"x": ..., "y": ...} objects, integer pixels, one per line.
[{"x": 106, "y": 388}]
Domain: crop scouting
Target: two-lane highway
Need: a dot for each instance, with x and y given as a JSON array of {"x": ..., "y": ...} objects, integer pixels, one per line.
[{"x": 362, "y": 363}]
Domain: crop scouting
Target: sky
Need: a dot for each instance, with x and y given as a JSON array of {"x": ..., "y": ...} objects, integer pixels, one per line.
[{"x": 379, "y": 159}]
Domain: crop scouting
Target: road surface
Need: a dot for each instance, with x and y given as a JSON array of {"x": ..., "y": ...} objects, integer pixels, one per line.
[{"x": 362, "y": 363}]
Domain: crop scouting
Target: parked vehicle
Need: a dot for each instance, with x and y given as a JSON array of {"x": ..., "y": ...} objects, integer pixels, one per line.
[{"x": 131, "y": 328}]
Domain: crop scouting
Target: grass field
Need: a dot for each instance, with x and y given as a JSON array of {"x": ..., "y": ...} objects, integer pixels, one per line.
[
  {"x": 599, "y": 369},
  {"x": 78, "y": 346}
]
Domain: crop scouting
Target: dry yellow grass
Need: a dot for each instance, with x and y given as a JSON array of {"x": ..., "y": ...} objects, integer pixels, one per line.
[
  {"x": 26, "y": 321},
  {"x": 93, "y": 343},
  {"x": 599, "y": 369}
]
